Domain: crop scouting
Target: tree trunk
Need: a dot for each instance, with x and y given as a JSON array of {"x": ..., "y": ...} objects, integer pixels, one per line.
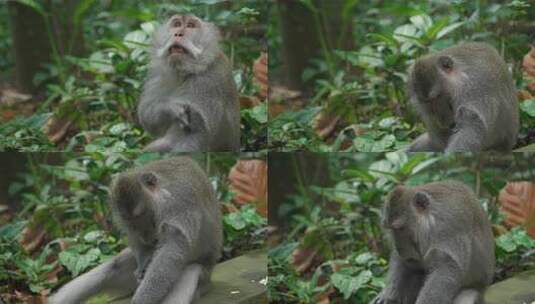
[
  {"x": 300, "y": 35},
  {"x": 32, "y": 46}
]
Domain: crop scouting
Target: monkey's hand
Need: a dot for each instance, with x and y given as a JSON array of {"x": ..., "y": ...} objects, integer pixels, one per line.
[
  {"x": 182, "y": 114},
  {"x": 470, "y": 132},
  {"x": 382, "y": 299}
]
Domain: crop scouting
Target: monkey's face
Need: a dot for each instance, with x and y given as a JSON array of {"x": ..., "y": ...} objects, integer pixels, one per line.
[
  {"x": 185, "y": 39},
  {"x": 132, "y": 199},
  {"x": 430, "y": 87},
  {"x": 402, "y": 214}
]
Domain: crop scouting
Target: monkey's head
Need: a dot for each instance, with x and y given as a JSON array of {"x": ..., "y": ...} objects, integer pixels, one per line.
[
  {"x": 407, "y": 216},
  {"x": 134, "y": 197},
  {"x": 186, "y": 43},
  {"x": 431, "y": 87}
]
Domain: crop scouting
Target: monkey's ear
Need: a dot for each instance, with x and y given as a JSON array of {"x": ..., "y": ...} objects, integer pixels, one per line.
[
  {"x": 421, "y": 201},
  {"x": 149, "y": 180}
]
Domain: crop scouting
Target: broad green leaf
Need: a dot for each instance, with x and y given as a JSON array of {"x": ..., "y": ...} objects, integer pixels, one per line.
[
  {"x": 76, "y": 263},
  {"x": 348, "y": 284},
  {"x": 448, "y": 29},
  {"x": 506, "y": 242},
  {"x": 422, "y": 22},
  {"x": 528, "y": 106}
]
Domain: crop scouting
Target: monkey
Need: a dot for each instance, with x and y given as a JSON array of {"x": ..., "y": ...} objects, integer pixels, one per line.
[
  {"x": 443, "y": 246},
  {"x": 169, "y": 212},
  {"x": 466, "y": 98},
  {"x": 189, "y": 100}
]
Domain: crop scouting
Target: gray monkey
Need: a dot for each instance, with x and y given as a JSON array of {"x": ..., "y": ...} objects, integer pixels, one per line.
[
  {"x": 443, "y": 247},
  {"x": 466, "y": 98},
  {"x": 190, "y": 101},
  {"x": 172, "y": 219}
]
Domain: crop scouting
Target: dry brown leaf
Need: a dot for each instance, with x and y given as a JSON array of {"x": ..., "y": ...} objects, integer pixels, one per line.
[
  {"x": 247, "y": 102},
  {"x": 32, "y": 238},
  {"x": 260, "y": 72},
  {"x": 283, "y": 93},
  {"x": 56, "y": 128},
  {"x": 227, "y": 208},
  {"x": 303, "y": 258},
  {"x": 325, "y": 123},
  {"x": 11, "y": 97},
  {"x": 248, "y": 179},
  {"x": 518, "y": 203}
]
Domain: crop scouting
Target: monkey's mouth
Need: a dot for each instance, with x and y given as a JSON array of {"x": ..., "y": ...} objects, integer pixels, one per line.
[{"x": 177, "y": 49}]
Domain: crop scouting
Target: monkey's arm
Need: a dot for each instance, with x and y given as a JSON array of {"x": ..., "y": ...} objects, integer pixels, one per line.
[
  {"x": 114, "y": 276},
  {"x": 178, "y": 140},
  {"x": 424, "y": 144},
  {"x": 470, "y": 134},
  {"x": 403, "y": 283},
  {"x": 170, "y": 259},
  {"x": 444, "y": 280}
]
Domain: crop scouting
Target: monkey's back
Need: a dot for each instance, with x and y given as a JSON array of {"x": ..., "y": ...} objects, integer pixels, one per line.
[
  {"x": 219, "y": 87},
  {"x": 462, "y": 214},
  {"x": 491, "y": 80}
]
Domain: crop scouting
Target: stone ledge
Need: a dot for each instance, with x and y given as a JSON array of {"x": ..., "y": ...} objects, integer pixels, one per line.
[
  {"x": 241, "y": 280},
  {"x": 519, "y": 289}
]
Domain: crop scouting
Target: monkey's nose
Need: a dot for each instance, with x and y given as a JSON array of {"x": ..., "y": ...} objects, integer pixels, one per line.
[{"x": 179, "y": 34}]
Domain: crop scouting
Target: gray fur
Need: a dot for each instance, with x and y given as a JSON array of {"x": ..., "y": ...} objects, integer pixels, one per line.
[
  {"x": 473, "y": 107},
  {"x": 170, "y": 214},
  {"x": 190, "y": 104},
  {"x": 443, "y": 245}
]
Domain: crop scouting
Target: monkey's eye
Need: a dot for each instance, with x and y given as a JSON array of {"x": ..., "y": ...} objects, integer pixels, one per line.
[
  {"x": 191, "y": 25},
  {"x": 446, "y": 63},
  {"x": 177, "y": 23}
]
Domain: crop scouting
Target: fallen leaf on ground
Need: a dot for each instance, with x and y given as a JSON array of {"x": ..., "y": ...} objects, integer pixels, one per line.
[
  {"x": 248, "y": 179},
  {"x": 325, "y": 123}
]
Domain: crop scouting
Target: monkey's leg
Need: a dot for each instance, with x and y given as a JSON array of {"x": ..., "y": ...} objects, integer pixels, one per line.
[
  {"x": 115, "y": 276},
  {"x": 169, "y": 261},
  {"x": 469, "y": 296},
  {"x": 186, "y": 289},
  {"x": 423, "y": 144},
  {"x": 470, "y": 134}
]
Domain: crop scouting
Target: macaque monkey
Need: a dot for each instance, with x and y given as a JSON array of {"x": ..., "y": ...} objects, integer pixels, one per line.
[
  {"x": 169, "y": 212},
  {"x": 443, "y": 247},
  {"x": 466, "y": 98},
  {"x": 190, "y": 101}
]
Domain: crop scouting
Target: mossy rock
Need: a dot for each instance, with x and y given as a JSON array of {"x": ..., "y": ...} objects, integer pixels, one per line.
[{"x": 519, "y": 289}]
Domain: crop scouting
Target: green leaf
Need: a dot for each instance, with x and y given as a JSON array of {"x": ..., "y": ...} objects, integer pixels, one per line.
[
  {"x": 422, "y": 22},
  {"x": 506, "y": 242},
  {"x": 348, "y": 284},
  {"x": 448, "y": 29},
  {"x": 136, "y": 39},
  {"x": 528, "y": 106},
  {"x": 235, "y": 220},
  {"x": 366, "y": 143},
  {"x": 76, "y": 263}
]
